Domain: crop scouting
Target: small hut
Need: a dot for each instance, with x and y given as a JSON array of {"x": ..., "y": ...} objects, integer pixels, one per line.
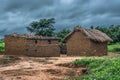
[
  {"x": 31, "y": 45},
  {"x": 86, "y": 42}
]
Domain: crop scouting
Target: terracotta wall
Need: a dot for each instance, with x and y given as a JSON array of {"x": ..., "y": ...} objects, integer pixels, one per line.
[
  {"x": 15, "y": 46},
  {"x": 43, "y": 51},
  {"x": 98, "y": 48},
  {"x": 78, "y": 45},
  {"x": 21, "y": 46},
  {"x": 42, "y": 48}
]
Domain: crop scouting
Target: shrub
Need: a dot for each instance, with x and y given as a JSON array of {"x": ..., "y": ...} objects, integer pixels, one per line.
[
  {"x": 2, "y": 45},
  {"x": 114, "y": 47},
  {"x": 100, "y": 68},
  {"x": 117, "y": 49}
]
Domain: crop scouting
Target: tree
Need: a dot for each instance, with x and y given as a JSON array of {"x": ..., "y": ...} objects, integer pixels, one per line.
[
  {"x": 91, "y": 27},
  {"x": 112, "y": 31},
  {"x": 42, "y": 27},
  {"x": 63, "y": 33}
]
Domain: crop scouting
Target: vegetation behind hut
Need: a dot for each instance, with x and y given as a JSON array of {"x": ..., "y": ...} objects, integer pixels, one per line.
[
  {"x": 100, "y": 68},
  {"x": 43, "y": 27},
  {"x": 112, "y": 31}
]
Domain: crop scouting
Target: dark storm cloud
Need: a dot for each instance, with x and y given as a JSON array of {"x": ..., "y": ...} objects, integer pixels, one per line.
[
  {"x": 24, "y": 5},
  {"x": 15, "y": 15}
]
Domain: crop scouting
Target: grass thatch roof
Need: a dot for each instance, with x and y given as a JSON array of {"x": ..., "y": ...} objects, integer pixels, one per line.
[
  {"x": 94, "y": 35},
  {"x": 32, "y": 37}
]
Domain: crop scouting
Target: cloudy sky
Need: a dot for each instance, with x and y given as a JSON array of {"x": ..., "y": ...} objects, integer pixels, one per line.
[{"x": 15, "y": 15}]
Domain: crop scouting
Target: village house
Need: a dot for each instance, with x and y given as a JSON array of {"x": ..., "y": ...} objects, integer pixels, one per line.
[
  {"x": 86, "y": 42},
  {"x": 31, "y": 45}
]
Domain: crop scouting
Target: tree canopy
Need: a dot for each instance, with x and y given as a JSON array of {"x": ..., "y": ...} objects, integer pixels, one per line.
[
  {"x": 45, "y": 27},
  {"x": 42, "y": 27},
  {"x": 61, "y": 34}
]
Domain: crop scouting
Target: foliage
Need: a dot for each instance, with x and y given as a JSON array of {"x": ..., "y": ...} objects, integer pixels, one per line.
[
  {"x": 114, "y": 47},
  {"x": 2, "y": 45},
  {"x": 100, "y": 68},
  {"x": 63, "y": 33},
  {"x": 112, "y": 31},
  {"x": 42, "y": 27}
]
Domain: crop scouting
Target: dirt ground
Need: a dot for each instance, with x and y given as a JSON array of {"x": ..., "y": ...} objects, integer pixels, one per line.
[{"x": 37, "y": 68}]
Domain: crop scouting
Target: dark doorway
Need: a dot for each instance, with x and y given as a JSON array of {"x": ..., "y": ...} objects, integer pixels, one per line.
[{"x": 36, "y": 41}]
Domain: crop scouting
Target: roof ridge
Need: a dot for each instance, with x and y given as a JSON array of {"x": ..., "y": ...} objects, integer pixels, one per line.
[
  {"x": 29, "y": 36},
  {"x": 95, "y": 35}
]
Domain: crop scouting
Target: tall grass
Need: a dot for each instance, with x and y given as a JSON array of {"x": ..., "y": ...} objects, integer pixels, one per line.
[
  {"x": 100, "y": 68},
  {"x": 114, "y": 47}
]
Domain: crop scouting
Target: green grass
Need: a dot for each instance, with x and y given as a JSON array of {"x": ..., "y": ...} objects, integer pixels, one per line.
[
  {"x": 100, "y": 68},
  {"x": 2, "y": 45},
  {"x": 114, "y": 47}
]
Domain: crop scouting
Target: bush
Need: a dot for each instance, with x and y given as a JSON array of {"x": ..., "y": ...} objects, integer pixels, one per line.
[
  {"x": 117, "y": 49},
  {"x": 2, "y": 45},
  {"x": 100, "y": 68},
  {"x": 114, "y": 47}
]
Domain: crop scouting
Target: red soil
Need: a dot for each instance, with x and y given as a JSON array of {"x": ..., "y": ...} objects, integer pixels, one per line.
[{"x": 37, "y": 68}]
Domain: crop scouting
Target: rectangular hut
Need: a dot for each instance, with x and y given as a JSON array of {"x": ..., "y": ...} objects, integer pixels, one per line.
[{"x": 31, "y": 45}]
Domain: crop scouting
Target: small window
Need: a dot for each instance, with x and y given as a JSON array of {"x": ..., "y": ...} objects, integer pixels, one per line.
[
  {"x": 49, "y": 41},
  {"x": 26, "y": 49},
  {"x": 35, "y": 50},
  {"x": 36, "y": 41}
]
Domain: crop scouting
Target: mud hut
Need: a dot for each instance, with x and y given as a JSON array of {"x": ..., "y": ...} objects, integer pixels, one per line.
[
  {"x": 86, "y": 42},
  {"x": 31, "y": 45}
]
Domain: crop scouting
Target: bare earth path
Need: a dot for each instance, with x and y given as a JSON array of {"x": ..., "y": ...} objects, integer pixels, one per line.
[{"x": 36, "y": 68}]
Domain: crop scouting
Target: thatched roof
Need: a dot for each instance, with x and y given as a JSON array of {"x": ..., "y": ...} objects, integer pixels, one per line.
[
  {"x": 94, "y": 35},
  {"x": 32, "y": 37}
]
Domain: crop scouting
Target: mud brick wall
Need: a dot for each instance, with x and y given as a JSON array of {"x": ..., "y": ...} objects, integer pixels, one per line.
[
  {"x": 42, "y": 48},
  {"x": 98, "y": 49},
  {"x": 23, "y": 46},
  {"x": 44, "y": 51},
  {"x": 79, "y": 45},
  {"x": 15, "y": 45}
]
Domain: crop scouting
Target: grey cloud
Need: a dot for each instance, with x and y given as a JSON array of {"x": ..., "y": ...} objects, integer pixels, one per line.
[
  {"x": 105, "y": 7},
  {"x": 27, "y": 5},
  {"x": 17, "y": 14}
]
